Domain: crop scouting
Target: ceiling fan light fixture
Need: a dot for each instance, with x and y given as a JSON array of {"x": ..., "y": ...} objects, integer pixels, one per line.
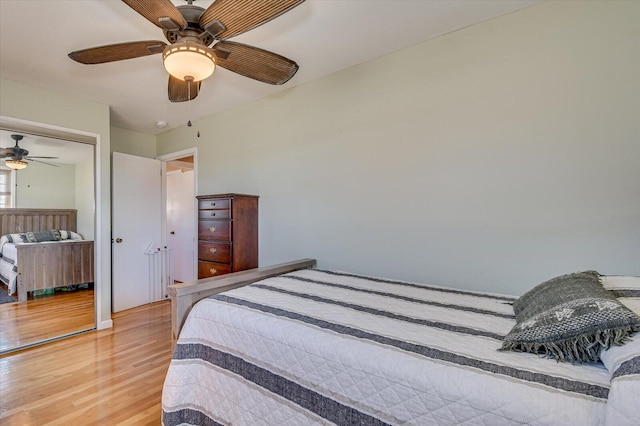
[
  {"x": 15, "y": 164},
  {"x": 189, "y": 60}
]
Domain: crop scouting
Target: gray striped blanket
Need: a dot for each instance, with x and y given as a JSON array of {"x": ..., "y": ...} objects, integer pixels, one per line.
[{"x": 323, "y": 347}]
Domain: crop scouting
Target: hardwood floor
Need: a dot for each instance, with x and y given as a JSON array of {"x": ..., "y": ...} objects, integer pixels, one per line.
[
  {"x": 45, "y": 317},
  {"x": 107, "y": 377}
]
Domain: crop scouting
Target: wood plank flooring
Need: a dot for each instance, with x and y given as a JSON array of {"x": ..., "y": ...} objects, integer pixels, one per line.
[
  {"x": 45, "y": 317},
  {"x": 107, "y": 377}
]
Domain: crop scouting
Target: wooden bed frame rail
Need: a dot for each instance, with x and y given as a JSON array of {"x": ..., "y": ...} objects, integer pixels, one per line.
[
  {"x": 185, "y": 295},
  {"x": 48, "y": 265}
]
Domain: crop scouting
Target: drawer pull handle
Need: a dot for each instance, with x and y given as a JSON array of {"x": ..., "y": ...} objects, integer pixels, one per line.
[
  {"x": 212, "y": 229},
  {"x": 213, "y": 250},
  {"x": 213, "y": 204},
  {"x": 213, "y": 271},
  {"x": 213, "y": 213}
]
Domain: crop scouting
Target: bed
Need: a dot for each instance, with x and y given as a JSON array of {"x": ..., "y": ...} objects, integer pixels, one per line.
[
  {"x": 310, "y": 346},
  {"x": 39, "y": 266}
]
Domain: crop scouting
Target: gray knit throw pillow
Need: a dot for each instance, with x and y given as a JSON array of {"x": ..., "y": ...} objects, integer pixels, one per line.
[
  {"x": 570, "y": 318},
  {"x": 35, "y": 237}
]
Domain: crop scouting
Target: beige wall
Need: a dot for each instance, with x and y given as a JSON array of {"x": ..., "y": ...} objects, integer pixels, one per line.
[
  {"x": 60, "y": 111},
  {"x": 43, "y": 186},
  {"x": 68, "y": 186},
  {"x": 85, "y": 199},
  {"x": 132, "y": 142},
  {"x": 493, "y": 157}
]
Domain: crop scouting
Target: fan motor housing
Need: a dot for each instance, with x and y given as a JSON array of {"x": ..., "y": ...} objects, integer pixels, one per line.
[{"x": 192, "y": 15}]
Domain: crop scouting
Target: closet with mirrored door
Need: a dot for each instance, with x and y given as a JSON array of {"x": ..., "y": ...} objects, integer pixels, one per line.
[{"x": 47, "y": 230}]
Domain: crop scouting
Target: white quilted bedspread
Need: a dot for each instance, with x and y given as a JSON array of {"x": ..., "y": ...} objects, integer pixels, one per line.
[{"x": 321, "y": 347}]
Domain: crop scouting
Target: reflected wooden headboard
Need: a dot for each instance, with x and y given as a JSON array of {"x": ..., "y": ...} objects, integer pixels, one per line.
[{"x": 29, "y": 220}]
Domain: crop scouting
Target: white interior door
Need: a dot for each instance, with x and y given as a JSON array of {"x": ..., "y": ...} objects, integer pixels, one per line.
[
  {"x": 181, "y": 224},
  {"x": 136, "y": 231}
]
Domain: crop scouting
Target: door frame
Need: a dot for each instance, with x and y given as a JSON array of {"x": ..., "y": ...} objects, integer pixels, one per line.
[
  {"x": 79, "y": 136},
  {"x": 164, "y": 159}
]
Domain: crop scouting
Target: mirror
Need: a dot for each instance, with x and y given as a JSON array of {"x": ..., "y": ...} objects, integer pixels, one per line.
[{"x": 54, "y": 191}]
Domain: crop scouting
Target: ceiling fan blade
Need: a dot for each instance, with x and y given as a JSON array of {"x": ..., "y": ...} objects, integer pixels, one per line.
[
  {"x": 156, "y": 11},
  {"x": 238, "y": 16},
  {"x": 254, "y": 62},
  {"x": 117, "y": 52},
  {"x": 6, "y": 152},
  {"x": 179, "y": 90},
  {"x": 43, "y": 162},
  {"x": 30, "y": 157}
]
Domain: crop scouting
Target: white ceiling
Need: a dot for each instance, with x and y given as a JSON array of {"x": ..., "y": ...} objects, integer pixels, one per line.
[
  {"x": 66, "y": 152},
  {"x": 322, "y": 36}
]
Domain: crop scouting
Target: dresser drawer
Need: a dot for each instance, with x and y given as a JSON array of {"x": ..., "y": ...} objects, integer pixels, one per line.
[
  {"x": 214, "y": 214},
  {"x": 214, "y": 230},
  {"x": 214, "y": 251},
  {"x": 218, "y": 203},
  {"x": 210, "y": 269}
]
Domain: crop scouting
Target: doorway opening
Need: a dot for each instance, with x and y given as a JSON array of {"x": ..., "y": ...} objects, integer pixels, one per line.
[
  {"x": 179, "y": 216},
  {"x": 180, "y": 224}
]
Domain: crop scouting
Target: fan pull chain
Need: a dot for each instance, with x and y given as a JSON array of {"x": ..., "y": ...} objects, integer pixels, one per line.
[
  {"x": 189, "y": 99},
  {"x": 189, "y": 81}
]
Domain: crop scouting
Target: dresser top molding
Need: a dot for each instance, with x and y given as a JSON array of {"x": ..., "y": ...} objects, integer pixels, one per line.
[{"x": 204, "y": 197}]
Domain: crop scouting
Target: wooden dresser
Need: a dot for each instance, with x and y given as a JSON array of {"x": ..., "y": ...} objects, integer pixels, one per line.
[{"x": 227, "y": 233}]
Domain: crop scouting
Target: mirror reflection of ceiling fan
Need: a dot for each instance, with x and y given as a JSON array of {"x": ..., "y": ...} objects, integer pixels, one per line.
[
  {"x": 15, "y": 156},
  {"x": 198, "y": 42}
]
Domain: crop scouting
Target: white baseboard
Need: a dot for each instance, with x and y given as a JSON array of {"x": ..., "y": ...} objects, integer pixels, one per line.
[{"x": 105, "y": 324}]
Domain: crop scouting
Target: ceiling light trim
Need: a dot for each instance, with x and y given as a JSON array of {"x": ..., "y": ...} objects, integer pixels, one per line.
[
  {"x": 189, "y": 60},
  {"x": 15, "y": 164}
]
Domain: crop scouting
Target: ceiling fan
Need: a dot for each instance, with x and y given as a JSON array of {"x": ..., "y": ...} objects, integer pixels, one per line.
[
  {"x": 16, "y": 155},
  {"x": 198, "y": 42}
]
